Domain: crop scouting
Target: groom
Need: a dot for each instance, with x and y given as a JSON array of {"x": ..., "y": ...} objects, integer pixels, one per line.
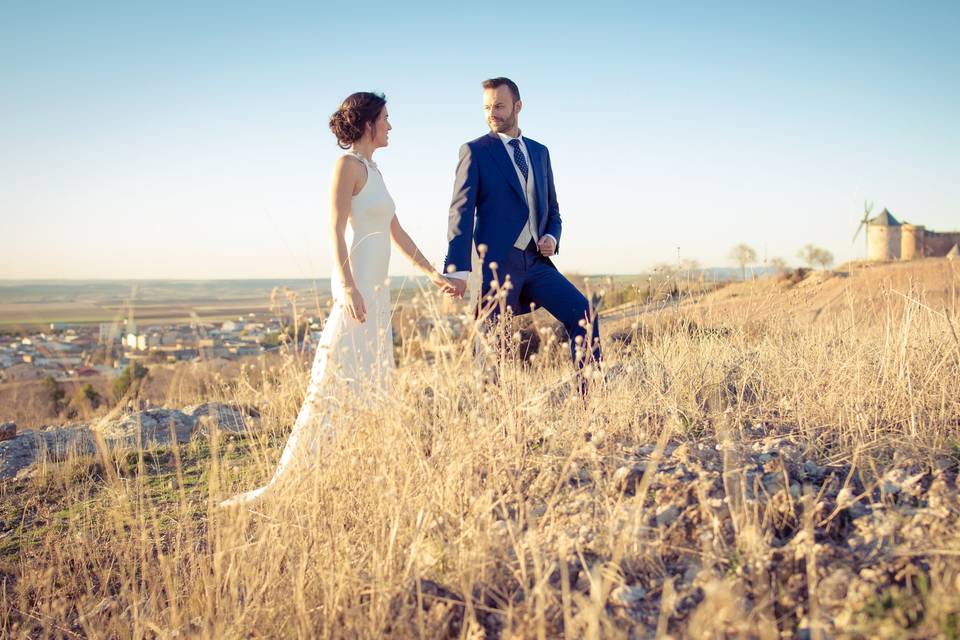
[{"x": 504, "y": 198}]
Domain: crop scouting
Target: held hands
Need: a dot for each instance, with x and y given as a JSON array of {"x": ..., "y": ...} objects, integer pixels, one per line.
[
  {"x": 353, "y": 302},
  {"x": 547, "y": 246},
  {"x": 458, "y": 286},
  {"x": 453, "y": 287}
]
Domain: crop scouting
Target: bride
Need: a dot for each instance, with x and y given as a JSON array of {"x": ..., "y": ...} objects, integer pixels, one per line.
[{"x": 355, "y": 352}]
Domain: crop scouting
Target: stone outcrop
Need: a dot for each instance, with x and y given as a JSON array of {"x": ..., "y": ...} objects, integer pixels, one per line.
[
  {"x": 224, "y": 417},
  {"x": 54, "y": 443},
  {"x": 153, "y": 427},
  {"x": 150, "y": 428}
]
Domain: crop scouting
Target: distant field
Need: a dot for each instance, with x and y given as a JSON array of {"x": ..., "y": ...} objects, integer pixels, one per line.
[
  {"x": 36, "y": 314},
  {"x": 31, "y": 305},
  {"x": 39, "y": 314},
  {"x": 29, "y": 316},
  {"x": 26, "y": 305}
]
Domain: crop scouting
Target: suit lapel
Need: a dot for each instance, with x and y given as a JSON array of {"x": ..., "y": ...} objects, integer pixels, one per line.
[
  {"x": 499, "y": 152},
  {"x": 538, "y": 184}
]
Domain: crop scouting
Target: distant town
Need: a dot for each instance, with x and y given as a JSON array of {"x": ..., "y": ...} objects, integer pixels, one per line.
[
  {"x": 69, "y": 352},
  {"x": 51, "y": 329}
]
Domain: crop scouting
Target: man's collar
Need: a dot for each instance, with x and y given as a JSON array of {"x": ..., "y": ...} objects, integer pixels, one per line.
[{"x": 506, "y": 139}]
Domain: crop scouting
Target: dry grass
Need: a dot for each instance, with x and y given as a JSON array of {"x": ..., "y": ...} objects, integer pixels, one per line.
[{"x": 733, "y": 478}]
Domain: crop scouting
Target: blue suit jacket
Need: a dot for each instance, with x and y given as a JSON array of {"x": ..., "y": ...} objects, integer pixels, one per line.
[{"x": 489, "y": 206}]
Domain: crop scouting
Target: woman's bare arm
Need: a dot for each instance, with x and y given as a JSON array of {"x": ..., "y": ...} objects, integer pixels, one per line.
[
  {"x": 348, "y": 177},
  {"x": 409, "y": 248},
  {"x": 347, "y": 174}
]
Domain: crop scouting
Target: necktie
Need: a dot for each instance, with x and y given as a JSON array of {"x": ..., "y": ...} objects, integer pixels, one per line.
[{"x": 518, "y": 157}]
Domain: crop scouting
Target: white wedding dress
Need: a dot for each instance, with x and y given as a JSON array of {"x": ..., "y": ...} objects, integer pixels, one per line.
[{"x": 354, "y": 360}]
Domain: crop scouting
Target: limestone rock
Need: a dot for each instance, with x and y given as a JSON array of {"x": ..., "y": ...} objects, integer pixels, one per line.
[
  {"x": 53, "y": 444},
  {"x": 627, "y": 596},
  {"x": 223, "y": 417},
  {"x": 625, "y": 479},
  {"x": 152, "y": 427},
  {"x": 17, "y": 453},
  {"x": 667, "y": 515}
]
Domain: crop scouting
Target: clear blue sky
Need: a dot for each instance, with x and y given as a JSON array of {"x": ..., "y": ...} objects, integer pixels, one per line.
[{"x": 190, "y": 140}]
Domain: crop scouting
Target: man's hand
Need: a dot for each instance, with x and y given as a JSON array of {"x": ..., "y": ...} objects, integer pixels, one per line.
[
  {"x": 455, "y": 287},
  {"x": 547, "y": 246},
  {"x": 442, "y": 283}
]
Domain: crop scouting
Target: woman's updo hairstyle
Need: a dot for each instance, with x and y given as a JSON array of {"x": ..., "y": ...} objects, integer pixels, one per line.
[{"x": 349, "y": 122}]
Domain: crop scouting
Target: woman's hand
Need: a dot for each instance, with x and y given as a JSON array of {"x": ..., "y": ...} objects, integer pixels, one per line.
[
  {"x": 353, "y": 302},
  {"x": 442, "y": 283}
]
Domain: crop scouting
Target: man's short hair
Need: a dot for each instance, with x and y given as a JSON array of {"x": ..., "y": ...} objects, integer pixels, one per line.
[{"x": 493, "y": 83}]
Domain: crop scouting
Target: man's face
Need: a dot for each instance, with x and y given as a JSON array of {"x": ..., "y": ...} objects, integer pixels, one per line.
[{"x": 500, "y": 109}]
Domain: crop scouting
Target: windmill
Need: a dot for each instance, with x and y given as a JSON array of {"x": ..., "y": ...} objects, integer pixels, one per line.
[{"x": 867, "y": 207}]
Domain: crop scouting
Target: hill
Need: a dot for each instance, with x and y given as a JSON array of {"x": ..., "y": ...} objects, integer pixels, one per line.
[
  {"x": 858, "y": 293},
  {"x": 864, "y": 289}
]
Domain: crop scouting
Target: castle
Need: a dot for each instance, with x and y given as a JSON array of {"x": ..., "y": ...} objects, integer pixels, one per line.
[{"x": 888, "y": 239}]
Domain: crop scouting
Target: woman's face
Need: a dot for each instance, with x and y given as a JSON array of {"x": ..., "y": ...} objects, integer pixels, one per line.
[{"x": 381, "y": 129}]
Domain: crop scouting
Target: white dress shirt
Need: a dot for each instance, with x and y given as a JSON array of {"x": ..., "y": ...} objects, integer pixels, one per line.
[{"x": 529, "y": 231}]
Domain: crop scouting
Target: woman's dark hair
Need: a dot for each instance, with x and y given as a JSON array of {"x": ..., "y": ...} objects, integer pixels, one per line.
[{"x": 349, "y": 122}]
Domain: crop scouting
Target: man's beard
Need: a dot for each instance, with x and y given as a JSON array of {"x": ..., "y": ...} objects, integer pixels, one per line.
[{"x": 505, "y": 125}]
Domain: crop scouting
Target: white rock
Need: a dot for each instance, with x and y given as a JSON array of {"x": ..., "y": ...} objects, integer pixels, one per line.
[
  {"x": 667, "y": 515},
  {"x": 55, "y": 444},
  {"x": 148, "y": 428},
  {"x": 627, "y": 596}
]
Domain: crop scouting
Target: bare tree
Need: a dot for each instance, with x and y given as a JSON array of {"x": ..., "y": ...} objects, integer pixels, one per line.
[
  {"x": 779, "y": 265},
  {"x": 664, "y": 272},
  {"x": 690, "y": 267},
  {"x": 665, "y": 269},
  {"x": 815, "y": 256},
  {"x": 743, "y": 255}
]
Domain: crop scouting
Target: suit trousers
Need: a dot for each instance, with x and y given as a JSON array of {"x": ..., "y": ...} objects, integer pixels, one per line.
[{"x": 535, "y": 281}]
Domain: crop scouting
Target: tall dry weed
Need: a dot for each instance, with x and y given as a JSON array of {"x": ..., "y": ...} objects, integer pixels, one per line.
[{"x": 727, "y": 478}]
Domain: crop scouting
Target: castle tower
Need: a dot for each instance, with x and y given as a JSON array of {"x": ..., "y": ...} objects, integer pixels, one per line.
[
  {"x": 912, "y": 241},
  {"x": 883, "y": 237}
]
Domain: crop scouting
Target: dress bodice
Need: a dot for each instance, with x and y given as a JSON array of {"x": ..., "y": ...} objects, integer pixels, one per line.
[
  {"x": 368, "y": 235},
  {"x": 372, "y": 208}
]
